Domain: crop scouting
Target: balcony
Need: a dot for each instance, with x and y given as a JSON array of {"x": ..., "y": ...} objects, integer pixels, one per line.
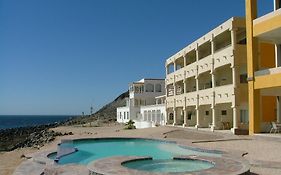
[
  {"x": 190, "y": 70},
  {"x": 205, "y": 96},
  {"x": 223, "y": 57},
  {"x": 224, "y": 94},
  {"x": 180, "y": 100},
  {"x": 170, "y": 102},
  {"x": 268, "y": 27},
  {"x": 268, "y": 78},
  {"x": 179, "y": 75},
  {"x": 191, "y": 98},
  {"x": 170, "y": 78},
  {"x": 205, "y": 64}
]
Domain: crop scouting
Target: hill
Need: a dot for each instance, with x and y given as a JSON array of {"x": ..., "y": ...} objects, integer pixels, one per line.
[{"x": 106, "y": 114}]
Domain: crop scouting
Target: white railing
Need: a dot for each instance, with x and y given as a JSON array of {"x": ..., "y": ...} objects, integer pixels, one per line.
[
  {"x": 224, "y": 94},
  {"x": 191, "y": 98},
  {"x": 180, "y": 100},
  {"x": 205, "y": 64},
  {"x": 190, "y": 70},
  {"x": 170, "y": 78},
  {"x": 179, "y": 75},
  {"x": 270, "y": 71},
  {"x": 170, "y": 102},
  {"x": 223, "y": 57},
  {"x": 205, "y": 96}
]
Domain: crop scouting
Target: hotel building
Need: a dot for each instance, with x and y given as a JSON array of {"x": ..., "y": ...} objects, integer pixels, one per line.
[
  {"x": 264, "y": 66},
  {"x": 206, "y": 82},
  {"x": 145, "y": 105}
]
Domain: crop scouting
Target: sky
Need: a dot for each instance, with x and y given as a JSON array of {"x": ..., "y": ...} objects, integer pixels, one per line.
[{"x": 63, "y": 56}]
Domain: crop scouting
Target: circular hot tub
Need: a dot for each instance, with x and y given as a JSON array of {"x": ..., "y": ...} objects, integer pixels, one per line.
[{"x": 169, "y": 166}]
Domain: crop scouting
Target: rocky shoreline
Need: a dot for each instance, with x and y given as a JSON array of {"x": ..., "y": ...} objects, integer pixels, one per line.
[
  {"x": 37, "y": 136},
  {"x": 32, "y": 136}
]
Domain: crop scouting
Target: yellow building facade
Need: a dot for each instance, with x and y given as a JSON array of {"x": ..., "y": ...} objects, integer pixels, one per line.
[{"x": 263, "y": 66}]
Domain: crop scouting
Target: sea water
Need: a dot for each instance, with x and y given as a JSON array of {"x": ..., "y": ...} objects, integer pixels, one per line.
[{"x": 15, "y": 121}]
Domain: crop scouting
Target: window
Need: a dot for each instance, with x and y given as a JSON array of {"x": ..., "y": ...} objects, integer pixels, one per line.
[
  {"x": 127, "y": 115},
  {"x": 171, "y": 116},
  {"x": 120, "y": 115},
  {"x": 244, "y": 118},
  {"x": 223, "y": 112},
  {"x": 149, "y": 87},
  {"x": 207, "y": 112},
  {"x": 243, "y": 78},
  {"x": 189, "y": 116},
  {"x": 158, "y": 87}
]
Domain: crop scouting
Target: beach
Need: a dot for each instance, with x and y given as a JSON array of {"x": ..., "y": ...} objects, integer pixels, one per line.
[{"x": 262, "y": 152}]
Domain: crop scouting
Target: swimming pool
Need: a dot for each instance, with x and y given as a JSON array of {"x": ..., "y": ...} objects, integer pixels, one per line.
[{"x": 94, "y": 149}]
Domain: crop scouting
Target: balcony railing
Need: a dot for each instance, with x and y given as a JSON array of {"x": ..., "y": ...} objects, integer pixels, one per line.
[
  {"x": 191, "y": 70},
  {"x": 205, "y": 96},
  {"x": 223, "y": 57},
  {"x": 191, "y": 98},
  {"x": 224, "y": 94},
  {"x": 205, "y": 64}
]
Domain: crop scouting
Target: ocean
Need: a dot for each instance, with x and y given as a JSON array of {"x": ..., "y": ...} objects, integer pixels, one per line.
[{"x": 15, "y": 121}]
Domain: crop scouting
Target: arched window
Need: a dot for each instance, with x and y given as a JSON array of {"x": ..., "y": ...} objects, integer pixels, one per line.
[
  {"x": 149, "y": 87},
  {"x": 171, "y": 116},
  {"x": 158, "y": 87}
]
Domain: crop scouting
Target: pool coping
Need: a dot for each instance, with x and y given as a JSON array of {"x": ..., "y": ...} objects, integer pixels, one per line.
[
  {"x": 41, "y": 157},
  {"x": 113, "y": 165}
]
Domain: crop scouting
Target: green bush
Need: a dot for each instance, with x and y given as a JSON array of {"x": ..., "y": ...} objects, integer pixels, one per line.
[{"x": 130, "y": 125}]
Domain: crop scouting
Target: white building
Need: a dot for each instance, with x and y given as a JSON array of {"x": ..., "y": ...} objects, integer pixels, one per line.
[{"x": 145, "y": 105}]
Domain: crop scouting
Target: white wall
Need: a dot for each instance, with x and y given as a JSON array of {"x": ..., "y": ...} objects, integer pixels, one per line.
[
  {"x": 123, "y": 114},
  {"x": 156, "y": 114}
]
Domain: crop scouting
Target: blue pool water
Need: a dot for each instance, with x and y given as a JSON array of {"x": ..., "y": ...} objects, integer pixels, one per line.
[
  {"x": 93, "y": 149},
  {"x": 171, "y": 166}
]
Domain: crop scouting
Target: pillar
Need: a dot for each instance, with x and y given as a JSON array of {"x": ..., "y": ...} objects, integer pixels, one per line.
[
  {"x": 184, "y": 118},
  {"x": 278, "y": 64},
  {"x": 214, "y": 122},
  {"x": 184, "y": 86},
  {"x": 278, "y": 103},
  {"x": 252, "y": 65},
  {"x": 175, "y": 117},
  {"x": 197, "y": 117},
  {"x": 235, "y": 118}
]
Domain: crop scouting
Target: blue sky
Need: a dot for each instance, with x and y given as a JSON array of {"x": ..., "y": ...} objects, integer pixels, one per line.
[{"x": 62, "y": 56}]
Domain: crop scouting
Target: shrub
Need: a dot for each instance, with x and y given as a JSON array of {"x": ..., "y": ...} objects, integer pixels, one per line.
[{"x": 130, "y": 125}]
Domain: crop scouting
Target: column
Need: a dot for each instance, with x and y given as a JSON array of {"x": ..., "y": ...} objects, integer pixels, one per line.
[
  {"x": 175, "y": 117},
  {"x": 184, "y": 118},
  {"x": 197, "y": 90},
  {"x": 234, "y": 82},
  {"x": 175, "y": 66},
  {"x": 184, "y": 60},
  {"x": 236, "y": 115},
  {"x": 214, "y": 122},
  {"x": 233, "y": 38},
  {"x": 278, "y": 103},
  {"x": 184, "y": 86},
  {"x": 197, "y": 117}
]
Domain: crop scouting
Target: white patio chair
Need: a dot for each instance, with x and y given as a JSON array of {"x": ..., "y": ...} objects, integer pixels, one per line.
[{"x": 275, "y": 128}]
